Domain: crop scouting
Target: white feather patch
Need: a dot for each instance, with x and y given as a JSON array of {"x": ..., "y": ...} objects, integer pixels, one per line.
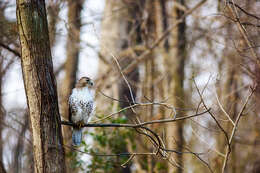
[{"x": 81, "y": 104}]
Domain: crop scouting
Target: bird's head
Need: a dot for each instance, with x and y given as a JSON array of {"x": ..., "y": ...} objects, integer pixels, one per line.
[{"x": 84, "y": 82}]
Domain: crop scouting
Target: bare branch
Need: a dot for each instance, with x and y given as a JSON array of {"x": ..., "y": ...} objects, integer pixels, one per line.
[
  {"x": 136, "y": 105},
  {"x": 204, "y": 104},
  {"x": 138, "y": 125},
  {"x": 153, "y": 137},
  {"x": 244, "y": 33},
  {"x": 16, "y": 53},
  {"x": 235, "y": 128},
  {"x": 223, "y": 110},
  {"x": 244, "y": 11},
  {"x": 210, "y": 147},
  {"x": 130, "y": 158}
]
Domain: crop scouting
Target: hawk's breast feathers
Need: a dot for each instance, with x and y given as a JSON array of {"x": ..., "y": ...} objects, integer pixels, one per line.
[{"x": 81, "y": 104}]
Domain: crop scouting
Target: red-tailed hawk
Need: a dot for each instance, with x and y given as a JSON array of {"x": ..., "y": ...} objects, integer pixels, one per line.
[{"x": 81, "y": 103}]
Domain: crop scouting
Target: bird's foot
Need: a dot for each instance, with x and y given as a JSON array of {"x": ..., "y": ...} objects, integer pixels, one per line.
[{"x": 80, "y": 124}]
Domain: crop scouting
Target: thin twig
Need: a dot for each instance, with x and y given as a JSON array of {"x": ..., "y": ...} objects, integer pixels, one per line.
[
  {"x": 160, "y": 103},
  {"x": 128, "y": 160},
  {"x": 243, "y": 33},
  {"x": 212, "y": 116},
  {"x": 223, "y": 110},
  {"x": 244, "y": 11},
  {"x": 210, "y": 147},
  {"x": 135, "y": 105},
  {"x": 127, "y": 83},
  {"x": 234, "y": 129},
  {"x": 203, "y": 161}
]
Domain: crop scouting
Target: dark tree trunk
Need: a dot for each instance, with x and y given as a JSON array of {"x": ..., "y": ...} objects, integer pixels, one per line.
[{"x": 40, "y": 87}]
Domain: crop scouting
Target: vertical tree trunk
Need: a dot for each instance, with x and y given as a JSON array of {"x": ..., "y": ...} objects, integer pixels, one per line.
[
  {"x": 174, "y": 63},
  {"x": 40, "y": 86},
  {"x": 2, "y": 113},
  {"x": 150, "y": 66},
  {"x": 53, "y": 18},
  {"x": 71, "y": 65},
  {"x": 1, "y": 106},
  {"x": 2, "y": 117},
  {"x": 19, "y": 148}
]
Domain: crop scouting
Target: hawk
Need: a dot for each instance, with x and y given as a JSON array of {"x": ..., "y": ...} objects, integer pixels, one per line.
[{"x": 81, "y": 103}]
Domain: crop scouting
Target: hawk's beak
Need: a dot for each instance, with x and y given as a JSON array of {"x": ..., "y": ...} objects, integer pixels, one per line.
[{"x": 91, "y": 83}]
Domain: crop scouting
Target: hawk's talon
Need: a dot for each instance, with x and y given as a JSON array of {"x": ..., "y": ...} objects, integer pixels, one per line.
[{"x": 80, "y": 124}]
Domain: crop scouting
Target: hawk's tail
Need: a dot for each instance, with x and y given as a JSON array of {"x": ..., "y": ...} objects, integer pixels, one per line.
[{"x": 76, "y": 136}]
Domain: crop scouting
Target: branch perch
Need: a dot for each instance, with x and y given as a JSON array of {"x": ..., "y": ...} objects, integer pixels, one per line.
[{"x": 136, "y": 125}]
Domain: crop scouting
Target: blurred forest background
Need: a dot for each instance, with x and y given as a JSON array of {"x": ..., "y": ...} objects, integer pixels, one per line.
[{"x": 151, "y": 60}]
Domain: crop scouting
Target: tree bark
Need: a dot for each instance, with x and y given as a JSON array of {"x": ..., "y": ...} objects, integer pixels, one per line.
[
  {"x": 40, "y": 86},
  {"x": 174, "y": 63},
  {"x": 53, "y": 18}
]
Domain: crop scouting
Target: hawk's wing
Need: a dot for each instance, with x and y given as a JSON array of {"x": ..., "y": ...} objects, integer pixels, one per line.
[
  {"x": 87, "y": 107},
  {"x": 72, "y": 109}
]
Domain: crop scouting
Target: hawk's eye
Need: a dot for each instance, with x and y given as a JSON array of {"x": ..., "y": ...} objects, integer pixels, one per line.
[{"x": 87, "y": 80}]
